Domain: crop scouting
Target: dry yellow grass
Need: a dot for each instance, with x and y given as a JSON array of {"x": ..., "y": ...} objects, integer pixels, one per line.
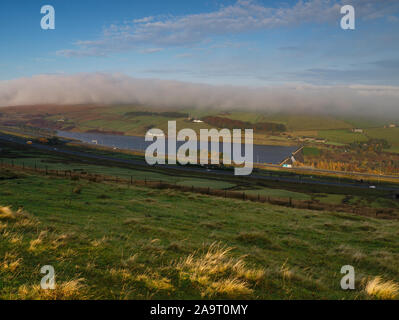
[
  {"x": 3, "y": 226},
  {"x": 380, "y": 289},
  {"x": 286, "y": 273},
  {"x": 124, "y": 274},
  {"x": 16, "y": 239},
  {"x": 70, "y": 290},
  {"x": 6, "y": 213},
  {"x": 21, "y": 218},
  {"x": 129, "y": 261},
  {"x": 33, "y": 245},
  {"x": 216, "y": 272},
  {"x": 10, "y": 262},
  {"x": 99, "y": 242},
  {"x": 155, "y": 282}
]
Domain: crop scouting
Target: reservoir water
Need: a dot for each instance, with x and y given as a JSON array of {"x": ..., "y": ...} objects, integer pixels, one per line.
[{"x": 261, "y": 153}]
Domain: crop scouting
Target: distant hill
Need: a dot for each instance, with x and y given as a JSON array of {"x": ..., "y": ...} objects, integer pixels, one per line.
[{"x": 269, "y": 128}]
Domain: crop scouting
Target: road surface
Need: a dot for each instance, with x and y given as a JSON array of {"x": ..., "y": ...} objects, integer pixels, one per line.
[{"x": 213, "y": 172}]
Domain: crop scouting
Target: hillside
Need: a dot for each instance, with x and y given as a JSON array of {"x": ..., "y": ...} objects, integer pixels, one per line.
[
  {"x": 269, "y": 128},
  {"x": 113, "y": 241}
]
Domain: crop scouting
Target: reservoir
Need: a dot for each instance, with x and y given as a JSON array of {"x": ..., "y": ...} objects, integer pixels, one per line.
[{"x": 262, "y": 153}]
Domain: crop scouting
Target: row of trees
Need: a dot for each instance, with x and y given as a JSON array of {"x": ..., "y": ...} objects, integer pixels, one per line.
[
  {"x": 372, "y": 145},
  {"x": 355, "y": 161}
]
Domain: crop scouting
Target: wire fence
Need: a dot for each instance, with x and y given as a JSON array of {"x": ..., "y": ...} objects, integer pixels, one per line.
[{"x": 78, "y": 174}]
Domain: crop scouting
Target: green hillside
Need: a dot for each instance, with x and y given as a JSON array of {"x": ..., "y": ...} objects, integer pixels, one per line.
[{"x": 112, "y": 241}]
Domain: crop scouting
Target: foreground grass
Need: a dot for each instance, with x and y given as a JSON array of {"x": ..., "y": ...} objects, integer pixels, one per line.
[{"x": 117, "y": 242}]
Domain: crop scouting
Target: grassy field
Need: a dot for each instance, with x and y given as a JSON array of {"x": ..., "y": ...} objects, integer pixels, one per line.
[
  {"x": 137, "y": 120},
  {"x": 342, "y": 136},
  {"x": 311, "y": 151},
  {"x": 42, "y": 160},
  {"x": 389, "y": 134},
  {"x": 117, "y": 242},
  {"x": 301, "y": 122},
  {"x": 29, "y": 158}
]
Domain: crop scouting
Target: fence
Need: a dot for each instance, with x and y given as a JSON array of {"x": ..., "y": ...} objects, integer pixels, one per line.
[{"x": 383, "y": 213}]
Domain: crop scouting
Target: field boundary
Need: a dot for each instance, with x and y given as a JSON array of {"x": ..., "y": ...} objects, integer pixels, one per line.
[{"x": 382, "y": 213}]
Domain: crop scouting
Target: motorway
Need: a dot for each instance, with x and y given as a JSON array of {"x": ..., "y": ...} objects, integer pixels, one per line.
[
  {"x": 204, "y": 171},
  {"x": 346, "y": 173}
]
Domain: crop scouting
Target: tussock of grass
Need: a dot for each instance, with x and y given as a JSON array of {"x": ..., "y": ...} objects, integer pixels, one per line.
[
  {"x": 286, "y": 273},
  {"x": 216, "y": 273},
  {"x": 7, "y": 214},
  {"x": 228, "y": 287},
  {"x": 99, "y": 242},
  {"x": 69, "y": 290},
  {"x": 10, "y": 263},
  {"x": 130, "y": 261},
  {"x": 26, "y": 224},
  {"x": 123, "y": 273},
  {"x": 291, "y": 277},
  {"x": 3, "y": 226},
  {"x": 34, "y": 244},
  {"x": 132, "y": 221},
  {"x": 212, "y": 225},
  {"x": 256, "y": 238},
  {"x": 155, "y": 247},
  {"x": 15, "y": 239},
  {"x": 350, "y": 252},
  {"x": 60, "y": 241},
  {"x": 380, "y": 289},
  {"x": 20, "y": 216},
  {"x": 155, "y": 282},
  {"x": 175, "y": 246}
]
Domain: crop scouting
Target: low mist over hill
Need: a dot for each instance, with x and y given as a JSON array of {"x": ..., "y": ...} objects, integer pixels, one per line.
[{"x": 100, "y": 88}]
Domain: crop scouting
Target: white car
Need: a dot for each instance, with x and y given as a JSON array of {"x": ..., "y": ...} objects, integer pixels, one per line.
[{"x": 373, "y": 187}]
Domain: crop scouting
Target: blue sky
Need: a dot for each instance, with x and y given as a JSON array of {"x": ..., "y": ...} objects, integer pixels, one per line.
[
  {"x": 208, "y": 41},
  {"x": 259, "y": 54}
]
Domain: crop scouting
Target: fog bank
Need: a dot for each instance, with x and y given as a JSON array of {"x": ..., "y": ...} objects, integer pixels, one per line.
[{"x": 100, "y": 88}]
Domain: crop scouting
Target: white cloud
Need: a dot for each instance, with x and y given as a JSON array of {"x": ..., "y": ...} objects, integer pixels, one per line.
[
  {"x": 101, "y": 88},
  {"x": 243, "y": 16},
  {"x": 151, "y": 50},
  {"x": 143, "y": 20}
]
